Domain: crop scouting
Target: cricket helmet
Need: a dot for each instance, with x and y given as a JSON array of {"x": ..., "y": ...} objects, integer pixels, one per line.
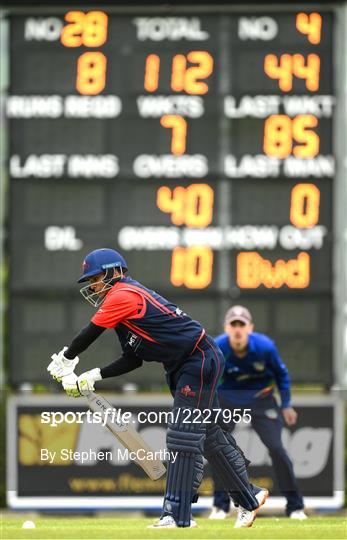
[{"x": 100, "y": 260}]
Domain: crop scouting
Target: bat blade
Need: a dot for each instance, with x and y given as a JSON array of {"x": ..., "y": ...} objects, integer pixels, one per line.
[{"x": 127, "y": 435}]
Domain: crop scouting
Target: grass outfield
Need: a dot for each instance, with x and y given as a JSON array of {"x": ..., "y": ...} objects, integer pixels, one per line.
[{"x": 273, "y": 528}]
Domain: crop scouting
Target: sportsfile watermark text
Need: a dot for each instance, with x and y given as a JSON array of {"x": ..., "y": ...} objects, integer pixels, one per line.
[{"x": 120, "y": 418}]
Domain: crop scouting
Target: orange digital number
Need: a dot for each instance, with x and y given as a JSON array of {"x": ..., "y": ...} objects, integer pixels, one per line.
[
  {"x": 191, "y": 206},
  {"x": 308, "y": 69},
  {"x": 280, "y": 130},
  {"x": 89, "y": 29},
  {"x": 199, "y": 205},
  {"x": 278, "y": 140},
  {"x": 184, "y": 78},
  {"x": 301, "y": 134},
  {"x": 172, "y": 201},
  {"x": 178, "y": 74},
  {"x": 286, "y": 66},
  {"x": 310, "y": 25},
  {"x": 179, "y": 132},
  {"x": 91, "y": 73},
  {"x": 304, "y": 205},
  {"x": 71, "y": 34},
  {"x": 192, "y": 85},
  {"x": 281, "y": 70},
  {"x": 192, "y": 267},
  {"x": 152, "y": 72}
]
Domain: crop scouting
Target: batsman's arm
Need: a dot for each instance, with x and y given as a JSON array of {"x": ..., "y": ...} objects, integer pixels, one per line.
[
  {"x": 83, "y": 340},
  {"x": 84, "y": 384},
  {"x": 126, "y": 363}
]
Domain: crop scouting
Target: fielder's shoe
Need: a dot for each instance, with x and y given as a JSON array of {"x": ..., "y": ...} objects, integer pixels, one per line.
[
  {"x": 168, "y": 522},
  {"x": 217, "y": 513},
  {"x": 298, "y": 514},
  {"x": 245, "y": 517}
]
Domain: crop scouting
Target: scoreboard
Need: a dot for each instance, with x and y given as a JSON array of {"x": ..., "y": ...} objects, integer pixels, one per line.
[{"x": 198, "y": 144}]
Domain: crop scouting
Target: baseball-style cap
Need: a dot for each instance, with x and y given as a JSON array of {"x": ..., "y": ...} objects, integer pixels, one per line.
[{"x": 238, "y": 313}]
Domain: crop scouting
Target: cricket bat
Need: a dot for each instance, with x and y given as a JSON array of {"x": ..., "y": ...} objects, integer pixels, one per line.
[{"x": 128, "y": 436}]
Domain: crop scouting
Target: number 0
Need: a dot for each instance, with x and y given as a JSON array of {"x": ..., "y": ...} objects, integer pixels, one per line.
[{"x": 304, "y": 205}]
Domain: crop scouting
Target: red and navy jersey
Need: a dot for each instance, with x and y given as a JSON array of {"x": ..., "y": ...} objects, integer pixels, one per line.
[{"x": 147, "y": 324}]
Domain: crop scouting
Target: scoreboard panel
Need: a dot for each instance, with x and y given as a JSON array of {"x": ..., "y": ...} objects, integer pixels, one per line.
[{"x": 199, "y": 145}]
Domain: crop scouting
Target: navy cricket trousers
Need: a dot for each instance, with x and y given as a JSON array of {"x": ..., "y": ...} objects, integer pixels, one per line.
[
  {"x": 194, "y": 387},
  {"x": 194, "y": 383}
]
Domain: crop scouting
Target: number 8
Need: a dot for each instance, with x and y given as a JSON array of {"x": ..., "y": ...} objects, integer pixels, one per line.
[{"x": 91, "y": 73}]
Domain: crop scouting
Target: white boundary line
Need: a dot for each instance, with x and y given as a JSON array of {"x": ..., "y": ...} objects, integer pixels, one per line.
[{"x": 135, "y": 503}]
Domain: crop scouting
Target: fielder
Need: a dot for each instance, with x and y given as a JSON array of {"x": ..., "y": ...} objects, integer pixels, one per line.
[
  {"x": 253, "y": 368},
  {"x": 150, "y": 328}
]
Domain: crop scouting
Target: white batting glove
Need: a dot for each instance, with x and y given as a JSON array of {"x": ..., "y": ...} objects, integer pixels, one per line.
[
  {"x": 60, "y": 366},
  {"x": 85, "y": 382},
  {"x": 69, "y": 383}
]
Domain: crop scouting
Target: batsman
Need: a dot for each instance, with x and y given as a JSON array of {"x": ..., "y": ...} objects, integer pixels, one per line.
[{"x": 151, "y": 328}]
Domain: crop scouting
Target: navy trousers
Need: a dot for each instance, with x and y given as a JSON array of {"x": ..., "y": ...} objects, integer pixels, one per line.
[
  {"x": 267, "y": 422},
  {"x": 194, "y": 384},
  {"x": 194, "y": 388}
]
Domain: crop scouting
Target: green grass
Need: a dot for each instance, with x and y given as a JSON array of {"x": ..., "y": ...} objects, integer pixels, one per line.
[{"x": 267, "y": 528}]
